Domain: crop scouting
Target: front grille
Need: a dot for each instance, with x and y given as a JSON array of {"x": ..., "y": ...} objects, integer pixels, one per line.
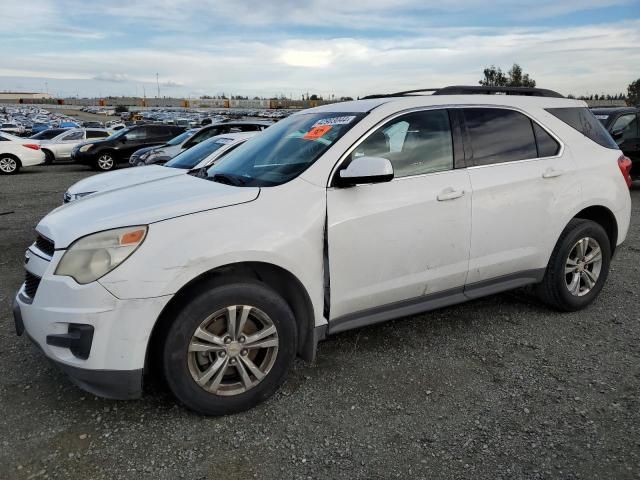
[
  {"x": 31, "y": 284},
  {"x": 45, "y": 245}
]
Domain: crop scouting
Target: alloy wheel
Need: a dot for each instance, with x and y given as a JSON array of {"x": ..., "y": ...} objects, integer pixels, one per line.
[
  {"x": 105, "y": 162},
  {"x": 233, "y": 350},
  {"x": 8, "y": 165},
  {"x": 583, "y": 266}
]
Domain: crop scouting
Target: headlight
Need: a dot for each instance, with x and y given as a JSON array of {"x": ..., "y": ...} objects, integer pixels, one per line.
[
  {"x": 84, "y": 148},
  {"x": 93, "y": 256},
  {"x": 145, "y": 155}
]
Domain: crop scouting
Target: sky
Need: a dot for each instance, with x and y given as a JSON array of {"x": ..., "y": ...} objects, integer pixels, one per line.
[{"x": 352, "y": 48}]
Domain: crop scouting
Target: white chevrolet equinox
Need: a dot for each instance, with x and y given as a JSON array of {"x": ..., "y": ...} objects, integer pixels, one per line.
[{"x": 334, "y": 218}]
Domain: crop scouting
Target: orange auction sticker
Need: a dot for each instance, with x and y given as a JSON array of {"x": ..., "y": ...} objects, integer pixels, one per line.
[{"x": 317, "y": 132}]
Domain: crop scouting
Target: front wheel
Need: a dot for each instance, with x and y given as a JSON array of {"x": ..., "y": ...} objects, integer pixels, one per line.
[
  {"x": 48, "y": 157},
  {"x": 578, "y": 267},
  {"x": 105, "y": 162},
  {"x": 230, "y": 348}
]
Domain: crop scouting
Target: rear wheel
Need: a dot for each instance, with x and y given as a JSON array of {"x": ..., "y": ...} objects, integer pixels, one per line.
[
  {"x": 578, "y": 267},
  {"x": 230, "y": 348},
  {"x": 105, "y": 162},
  {"x": 9, "y": 164}
]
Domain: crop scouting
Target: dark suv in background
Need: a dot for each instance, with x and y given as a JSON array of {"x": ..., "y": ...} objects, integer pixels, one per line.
[
  {"x": 623, "y": 124},
  {"x": 105, "y": 154}
]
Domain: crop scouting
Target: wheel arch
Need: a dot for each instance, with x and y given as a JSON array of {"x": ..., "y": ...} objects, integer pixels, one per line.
[
  {"x": 279, "y": 279},
  {"x": 48, "y": 152},
  {"x": 603, "y": 217}
]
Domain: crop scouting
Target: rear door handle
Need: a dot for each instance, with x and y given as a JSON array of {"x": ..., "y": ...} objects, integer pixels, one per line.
[
  {"x": 552, "y": 173},
  {"x": 449, "y": 194}
]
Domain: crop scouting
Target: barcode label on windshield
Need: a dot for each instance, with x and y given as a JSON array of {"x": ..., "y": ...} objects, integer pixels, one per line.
[{"x": 334, "y": 121}]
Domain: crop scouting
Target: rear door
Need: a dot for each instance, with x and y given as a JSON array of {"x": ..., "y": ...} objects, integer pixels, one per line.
[{"x": 520, "y": 178}]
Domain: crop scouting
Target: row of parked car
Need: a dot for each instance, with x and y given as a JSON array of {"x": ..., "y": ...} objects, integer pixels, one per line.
[{"x": 103, "y": 149}]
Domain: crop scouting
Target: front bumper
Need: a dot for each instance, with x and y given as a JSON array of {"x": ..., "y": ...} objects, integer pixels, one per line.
[
  {"x": 85, "y": 158},
  {"x": 110, "y": 361}
]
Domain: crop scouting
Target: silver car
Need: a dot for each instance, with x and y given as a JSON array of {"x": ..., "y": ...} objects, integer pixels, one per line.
[{"x": 59, "y": 148}]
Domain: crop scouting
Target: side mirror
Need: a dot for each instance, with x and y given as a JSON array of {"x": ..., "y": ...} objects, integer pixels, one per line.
[{"x": 365, "y": 170}]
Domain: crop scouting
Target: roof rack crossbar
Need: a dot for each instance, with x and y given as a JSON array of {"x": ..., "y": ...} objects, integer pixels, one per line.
[{"x": 473, "y": 90}]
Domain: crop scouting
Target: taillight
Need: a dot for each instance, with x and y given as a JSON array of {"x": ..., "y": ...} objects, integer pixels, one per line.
[
  {"x": 625, "y": 168},
  {"x": 32, "y": 146}
]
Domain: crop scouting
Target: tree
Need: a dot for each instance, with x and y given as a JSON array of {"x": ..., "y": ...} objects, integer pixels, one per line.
[
  {"x": 494, "y": 77},
  {"x": 633, "y": 93}
]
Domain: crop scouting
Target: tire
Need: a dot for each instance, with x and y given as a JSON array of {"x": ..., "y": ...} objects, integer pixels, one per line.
[
  {"x": 9, "y": 164},
  {"x": 226, "y": 390},
  {"x": 105, "y": 162},
  {"x": 559, "y": 288},
  {"x": 49, "y": 158}
]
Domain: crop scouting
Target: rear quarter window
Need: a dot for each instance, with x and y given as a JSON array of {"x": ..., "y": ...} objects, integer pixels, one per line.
[{"x": 582, "y": 120}]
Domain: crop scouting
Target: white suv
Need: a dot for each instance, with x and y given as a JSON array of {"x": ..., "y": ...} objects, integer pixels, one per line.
[{"x": 334, "y": 218}]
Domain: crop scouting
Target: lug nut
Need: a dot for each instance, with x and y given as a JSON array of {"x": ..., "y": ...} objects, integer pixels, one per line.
[
  {"x": 242, "y": 339},
  {"x": 244, "y": 352},
  {"x": 227, "y": 340},
  {"x": 232, "y": 361},
  {"x": 222, "y": 354}
]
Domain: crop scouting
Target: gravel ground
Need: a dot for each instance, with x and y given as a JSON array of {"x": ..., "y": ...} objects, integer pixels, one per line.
[{"x": 497, "y": 388}]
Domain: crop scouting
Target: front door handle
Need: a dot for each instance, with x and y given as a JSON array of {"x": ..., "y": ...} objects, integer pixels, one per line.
[
  {"x": 552, "y": 173},
  {"x": 449, "y": 194}
]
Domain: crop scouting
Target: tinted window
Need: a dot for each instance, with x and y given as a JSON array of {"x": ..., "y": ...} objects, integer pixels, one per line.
[
  {"x": 48, "y": 134},
  {"x": 499, "y": 136},
  {"x": 625, "y": 128},
  {"x": 2, "y": 139},
  {"x": 97, "y": 134},
  {"x": 415, "y": 144},
  {"x": 581, "y": 119},
  {"x": 547, "y": 146}
]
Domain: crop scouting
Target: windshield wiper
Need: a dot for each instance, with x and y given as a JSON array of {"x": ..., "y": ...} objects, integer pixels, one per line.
[{"x": 228, "y": 179}]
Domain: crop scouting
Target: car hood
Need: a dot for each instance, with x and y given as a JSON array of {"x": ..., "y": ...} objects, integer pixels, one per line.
[
  {"x": 140, "y": 204},
  {"x": 125, "y": 177}
]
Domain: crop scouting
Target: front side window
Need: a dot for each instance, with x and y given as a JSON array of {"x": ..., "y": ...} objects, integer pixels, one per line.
[
  {"x": 625, "y": 128},
  {"x": 499, "y": 135},
  {"x": 416, "y": 143},
  {"x": 136, "y": 134},
  {"x": 283, "y": 151}
]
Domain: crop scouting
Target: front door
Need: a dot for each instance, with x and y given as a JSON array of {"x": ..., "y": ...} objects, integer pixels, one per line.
[{"x": 408, "y": 238}]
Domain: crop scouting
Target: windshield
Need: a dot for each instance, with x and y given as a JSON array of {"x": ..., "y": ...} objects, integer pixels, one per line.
[
  {"x": 181, "y": 138},
  {"x": 190, "y": 158},
  {"x": 283, "y": 151}
]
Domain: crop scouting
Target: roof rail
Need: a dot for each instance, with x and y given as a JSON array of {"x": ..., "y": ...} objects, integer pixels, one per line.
[
  {"x": 474, "y": 90},
  {"x": 480, "y": 90}
]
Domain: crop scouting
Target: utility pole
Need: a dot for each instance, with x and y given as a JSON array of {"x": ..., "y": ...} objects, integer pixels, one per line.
[{"x": 158, "y": 83}]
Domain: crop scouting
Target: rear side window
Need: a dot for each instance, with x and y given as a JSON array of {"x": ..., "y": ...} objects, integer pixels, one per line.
[
  {"x": 582, "y": 120},
  {"x": 499, "y": 136},
  {"x": 547, "y": 146}
]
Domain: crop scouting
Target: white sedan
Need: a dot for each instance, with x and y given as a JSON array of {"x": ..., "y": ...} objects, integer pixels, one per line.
[
  {"x": 202, "y": 155},
  {"x": 16, "y": 152}
]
